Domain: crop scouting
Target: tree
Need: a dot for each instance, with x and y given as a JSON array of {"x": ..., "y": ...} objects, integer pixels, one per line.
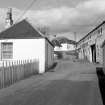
[{"x": 44, "y": 30}]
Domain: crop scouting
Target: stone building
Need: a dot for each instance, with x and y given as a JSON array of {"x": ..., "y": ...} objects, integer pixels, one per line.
[{"x": 90, "y": 46}]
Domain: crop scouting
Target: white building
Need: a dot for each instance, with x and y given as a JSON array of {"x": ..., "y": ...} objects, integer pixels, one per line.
[
  {"x": 65, "y": 44},
  {"x": 65, "y": 47},
  {"x": 23, "y": 41}
]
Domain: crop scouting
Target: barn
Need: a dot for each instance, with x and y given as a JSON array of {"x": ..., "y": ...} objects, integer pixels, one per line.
[{"x": 23, "y": 41}]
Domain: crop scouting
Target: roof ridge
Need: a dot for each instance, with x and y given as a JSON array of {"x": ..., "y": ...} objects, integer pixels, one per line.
[
  {"x": 18, "y": 28},
  {"x": 34, "y": 27}
]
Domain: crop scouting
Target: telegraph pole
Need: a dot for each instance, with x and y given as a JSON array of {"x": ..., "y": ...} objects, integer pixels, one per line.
[
  {"x": 9, "y": 20},
  {"x": 75, "y": 36}
]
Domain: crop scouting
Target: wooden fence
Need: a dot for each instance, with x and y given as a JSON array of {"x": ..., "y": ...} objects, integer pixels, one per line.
[{"x": 13, "y": 71}]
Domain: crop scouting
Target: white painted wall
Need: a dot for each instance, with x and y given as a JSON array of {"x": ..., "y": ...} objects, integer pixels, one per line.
[
  {"x": 56, "y": 48},
  {"x": 65, "y": 47},
  {"x": 24, "y": 49}
]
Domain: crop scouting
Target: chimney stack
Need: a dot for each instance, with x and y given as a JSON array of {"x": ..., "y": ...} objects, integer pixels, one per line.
[{"x": 9, "y": 20}]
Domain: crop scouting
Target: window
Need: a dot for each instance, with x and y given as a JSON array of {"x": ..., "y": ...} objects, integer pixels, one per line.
[{"x": 6, "y": 50}]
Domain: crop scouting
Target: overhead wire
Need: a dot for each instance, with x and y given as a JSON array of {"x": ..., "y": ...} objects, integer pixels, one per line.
[{"x": 26, "y": 10}]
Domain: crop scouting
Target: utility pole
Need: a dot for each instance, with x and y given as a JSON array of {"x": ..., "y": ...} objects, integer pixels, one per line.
[{"x": 75, "y": 36}]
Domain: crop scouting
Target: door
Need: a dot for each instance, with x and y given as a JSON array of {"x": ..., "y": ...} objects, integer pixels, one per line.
[{"x": 93, "y": 49}]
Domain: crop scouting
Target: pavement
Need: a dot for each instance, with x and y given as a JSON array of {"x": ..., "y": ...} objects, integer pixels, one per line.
[{"x": 70, "y": 83}]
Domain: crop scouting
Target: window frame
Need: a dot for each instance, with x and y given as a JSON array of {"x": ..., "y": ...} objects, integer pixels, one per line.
[{"x": 6, "y": 50}]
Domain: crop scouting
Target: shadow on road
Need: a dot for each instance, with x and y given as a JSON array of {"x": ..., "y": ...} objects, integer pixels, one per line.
[
  {"x": 51, "y": 69},
  {"x": 58, "y": 92},
  {"x": 101, "y": 81}
]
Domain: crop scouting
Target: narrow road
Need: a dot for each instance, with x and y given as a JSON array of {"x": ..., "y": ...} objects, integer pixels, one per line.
[{"x": 71, "y": 83}]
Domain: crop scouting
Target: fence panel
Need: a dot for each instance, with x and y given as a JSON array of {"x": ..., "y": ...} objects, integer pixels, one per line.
[
  {"x": 1, "y": 78},
  {"x": 11, "y": 72}
]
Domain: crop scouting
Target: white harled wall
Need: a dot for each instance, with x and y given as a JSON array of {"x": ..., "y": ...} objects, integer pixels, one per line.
[{"x": 24, "y": 49}]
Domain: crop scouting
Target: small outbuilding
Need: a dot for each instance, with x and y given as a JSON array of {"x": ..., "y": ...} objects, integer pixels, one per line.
[{"x": 23, "y": 41}]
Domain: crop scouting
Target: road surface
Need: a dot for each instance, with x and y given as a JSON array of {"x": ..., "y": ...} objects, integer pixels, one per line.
[{"x": 71, "y": 83}]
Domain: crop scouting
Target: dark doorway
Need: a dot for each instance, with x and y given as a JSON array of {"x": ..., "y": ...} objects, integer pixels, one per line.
[{"x": 93, "y": 49}]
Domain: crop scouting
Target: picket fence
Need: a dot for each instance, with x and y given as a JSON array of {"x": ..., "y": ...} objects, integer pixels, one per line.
[{"x": 13, "y": 71}]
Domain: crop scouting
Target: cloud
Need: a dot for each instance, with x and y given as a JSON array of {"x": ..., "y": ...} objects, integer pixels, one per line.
[
  {"x": 2, "y": 15},
  {"x": 66, "y": 18},
  {"x": 81, "y": 18}
]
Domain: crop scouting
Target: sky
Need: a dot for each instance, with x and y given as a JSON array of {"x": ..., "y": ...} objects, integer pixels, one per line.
[{"x": 67, "y": 18}]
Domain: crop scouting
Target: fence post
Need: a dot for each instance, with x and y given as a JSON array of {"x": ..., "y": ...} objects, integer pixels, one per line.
[
  {"x": 22, "y": 70},
  {"x": 3, "y": 74},
  {"x": 12, "y": 70},
  {"x": 20, "y": 67},
  {"x": 18, "y": 71},
  {"x": 10, "y": 76},
  {"x": 31, "y": 72}
]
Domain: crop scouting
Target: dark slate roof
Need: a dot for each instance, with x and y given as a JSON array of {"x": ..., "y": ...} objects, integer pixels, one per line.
[
  {"x": 21, "y": 30},
  {"x": 92, "y": 31}
]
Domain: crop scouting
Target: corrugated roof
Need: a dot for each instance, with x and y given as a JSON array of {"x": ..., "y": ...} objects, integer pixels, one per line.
[{"x": 22, "y": 29}]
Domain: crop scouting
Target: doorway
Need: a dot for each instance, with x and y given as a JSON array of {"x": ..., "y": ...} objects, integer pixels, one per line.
[{"x": 93, "y": 49}]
